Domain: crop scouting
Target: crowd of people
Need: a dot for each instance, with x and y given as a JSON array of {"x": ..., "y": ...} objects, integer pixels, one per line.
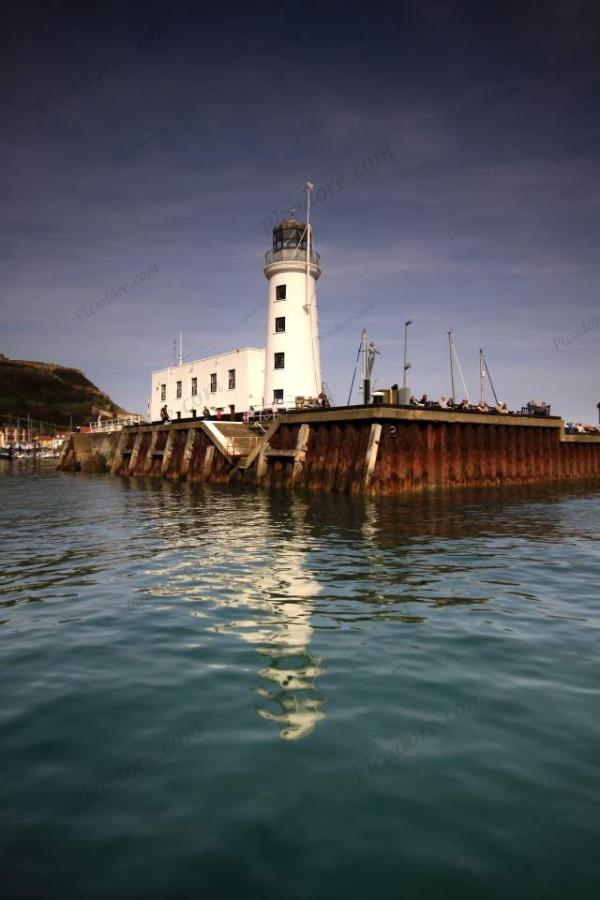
[
  {"x": 253, "y": 414},
  {"x": 579, "y": 428},
  {"x": 533, "y": 408},
  {"x": 464, "y": 406},
  {"x": 206, "y": 414}
]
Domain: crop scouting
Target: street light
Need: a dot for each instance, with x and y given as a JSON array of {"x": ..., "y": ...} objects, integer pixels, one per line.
[
  {"x": 407, "y": 365},
  {"x": 404, "y": 397}
]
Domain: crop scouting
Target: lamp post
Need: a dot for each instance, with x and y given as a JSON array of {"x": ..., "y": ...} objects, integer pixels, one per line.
[
  {"x": 405, "y": 394},
  {"x": 365, "y": 377}
]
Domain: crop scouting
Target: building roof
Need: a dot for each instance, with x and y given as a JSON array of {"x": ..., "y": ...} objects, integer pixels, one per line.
[{"x": 193, "y": 362}]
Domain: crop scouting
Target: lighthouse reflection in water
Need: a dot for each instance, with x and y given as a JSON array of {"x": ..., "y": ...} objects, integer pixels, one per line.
[
  {"x": 275, "y": 617},
  {"x": 242, "y": 563}
]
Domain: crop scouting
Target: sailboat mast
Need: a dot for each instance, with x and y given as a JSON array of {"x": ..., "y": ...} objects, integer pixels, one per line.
[
  {"x": 460, "y": 372},
  {"x": 481, "y": 376},
  {"x": 489, "y": 377}
]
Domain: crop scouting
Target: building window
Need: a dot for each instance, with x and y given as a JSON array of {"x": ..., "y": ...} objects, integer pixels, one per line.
[
  {"x": 179, "y": 389},
  {"x": 231, "y": 374},
  {"x": 278, "y": 395},
  {"x": 194, "y": 387},
  {"x": 280, "y": 292},
  {"x": 280, "y": 360},
  {"x": 279, "y": 324},
  {"x": 163, "y": 392},
  {"x": 213, "y": 382}
]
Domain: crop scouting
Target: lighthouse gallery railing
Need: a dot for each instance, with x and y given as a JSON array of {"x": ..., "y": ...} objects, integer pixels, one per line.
[{"x": 272, "y": 256}]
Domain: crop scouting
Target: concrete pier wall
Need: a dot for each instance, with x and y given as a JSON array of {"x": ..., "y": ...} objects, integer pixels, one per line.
[
  {"x": 195, "y": 451},
  {"x": 375, "y": 450}
]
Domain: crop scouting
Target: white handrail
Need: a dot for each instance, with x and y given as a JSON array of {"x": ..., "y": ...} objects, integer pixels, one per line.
[{"x": 106, "y": 425}]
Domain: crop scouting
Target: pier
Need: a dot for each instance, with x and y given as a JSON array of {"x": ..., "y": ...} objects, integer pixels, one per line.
[{"x": 364, "y": 449}]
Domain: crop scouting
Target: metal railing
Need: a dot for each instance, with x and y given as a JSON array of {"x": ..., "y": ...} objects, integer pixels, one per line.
[
  {"x": 267, "y": 414},
  {"x": 295, "y": 253},
  {"x": 242, "y": 445},
  {"x": 108, "y": 425}
]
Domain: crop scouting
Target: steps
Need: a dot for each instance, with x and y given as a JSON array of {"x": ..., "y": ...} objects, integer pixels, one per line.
[{"x": 237, "y": 438}]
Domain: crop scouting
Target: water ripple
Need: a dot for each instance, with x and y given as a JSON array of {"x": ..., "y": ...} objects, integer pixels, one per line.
[{"x": 327, "y": 649}]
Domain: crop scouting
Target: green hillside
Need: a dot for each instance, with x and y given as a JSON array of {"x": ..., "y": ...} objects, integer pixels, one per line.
[{"x": 50, "y": 392}]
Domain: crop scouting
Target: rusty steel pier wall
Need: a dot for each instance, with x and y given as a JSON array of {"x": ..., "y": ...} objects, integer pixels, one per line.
[
  {"x": 389, "y": 450},
  {"x": 374, "y": 450}
]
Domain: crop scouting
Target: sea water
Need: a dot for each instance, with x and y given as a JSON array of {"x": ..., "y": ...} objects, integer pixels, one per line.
[{"x": 225, "y": 693}]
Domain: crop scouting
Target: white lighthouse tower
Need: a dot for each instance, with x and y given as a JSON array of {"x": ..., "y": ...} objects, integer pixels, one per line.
[{"x": 292, "y": 359}]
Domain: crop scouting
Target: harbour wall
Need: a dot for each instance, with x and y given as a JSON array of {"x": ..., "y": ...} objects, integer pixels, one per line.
[{"x": 375, "y": 450}]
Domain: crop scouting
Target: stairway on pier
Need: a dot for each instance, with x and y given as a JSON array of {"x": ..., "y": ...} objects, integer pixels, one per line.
[{"x": 239, "y": 438}]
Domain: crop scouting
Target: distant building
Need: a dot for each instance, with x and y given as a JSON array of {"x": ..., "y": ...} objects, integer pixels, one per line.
[
  {"x": 11, "y": 436},
  {"x": 289, "y": 368}
]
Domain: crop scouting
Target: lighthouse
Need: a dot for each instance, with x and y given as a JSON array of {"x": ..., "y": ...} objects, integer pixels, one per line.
[
  {"x": 292, "y": 358},
  {"x": 247, "y": 378}
]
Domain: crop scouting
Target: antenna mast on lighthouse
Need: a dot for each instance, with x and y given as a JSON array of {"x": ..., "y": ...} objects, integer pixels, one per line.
[
  {"x": 308, "y": 299},
  {"x": 309, "y": 189}
]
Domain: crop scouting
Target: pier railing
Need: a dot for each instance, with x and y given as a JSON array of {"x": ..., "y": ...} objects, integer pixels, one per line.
[
  {"x": 274, "y": 410},
  {"x": 242, "y": 445},
  {"x": 105, "y": 426}
]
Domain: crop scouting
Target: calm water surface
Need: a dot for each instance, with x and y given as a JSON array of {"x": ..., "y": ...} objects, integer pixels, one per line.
[{"x": 214, "y": 693}]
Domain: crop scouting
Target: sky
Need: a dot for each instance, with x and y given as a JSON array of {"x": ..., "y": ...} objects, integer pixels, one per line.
[{"x": 147, "y": 150}]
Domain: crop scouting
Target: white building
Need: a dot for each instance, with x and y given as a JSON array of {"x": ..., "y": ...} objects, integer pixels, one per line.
[
  {"x": 217, "y": 382},
  {"x": 289, "y": 368}
]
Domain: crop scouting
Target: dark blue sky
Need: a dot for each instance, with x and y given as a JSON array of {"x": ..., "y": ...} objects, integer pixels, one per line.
[{"x": 457, "y": 146}]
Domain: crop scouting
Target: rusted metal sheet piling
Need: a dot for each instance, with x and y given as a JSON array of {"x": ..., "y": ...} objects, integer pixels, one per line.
[{"x": 378, "y": 450}]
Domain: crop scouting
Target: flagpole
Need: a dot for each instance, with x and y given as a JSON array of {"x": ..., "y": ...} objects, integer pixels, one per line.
[{"x": 307, "y": 303}]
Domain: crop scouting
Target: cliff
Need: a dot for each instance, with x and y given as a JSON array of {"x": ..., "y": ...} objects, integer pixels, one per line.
[{"x": 51, "y": 393}]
